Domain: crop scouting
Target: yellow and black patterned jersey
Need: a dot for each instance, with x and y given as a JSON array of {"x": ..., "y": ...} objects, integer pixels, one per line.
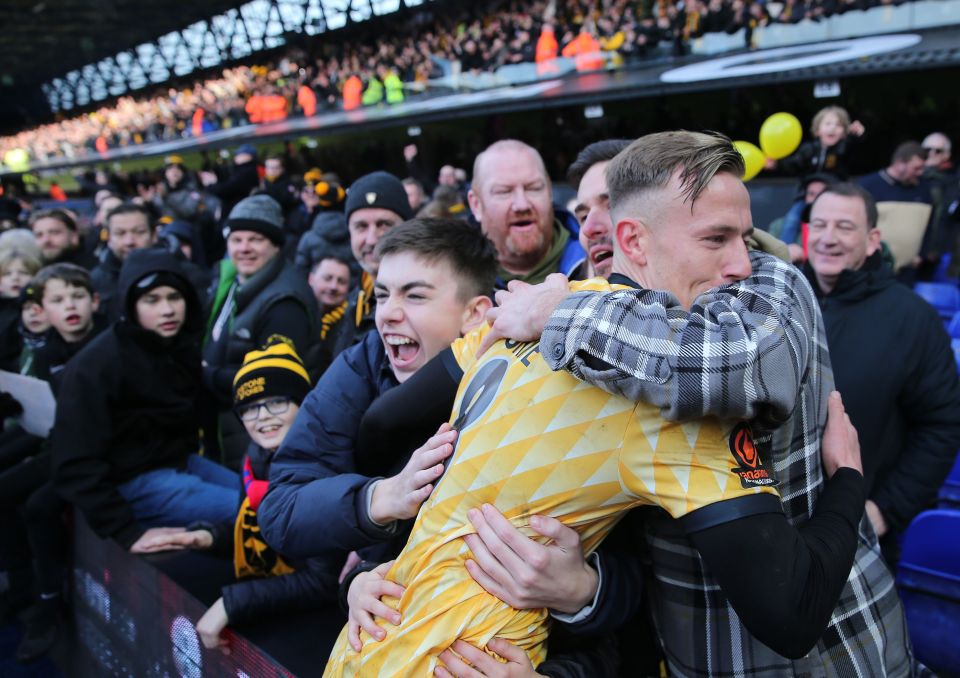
[{"x": 537, "y": 442}]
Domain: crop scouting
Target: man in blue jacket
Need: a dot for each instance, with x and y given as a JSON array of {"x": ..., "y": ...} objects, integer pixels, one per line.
[{"x": 431, "y": 287}]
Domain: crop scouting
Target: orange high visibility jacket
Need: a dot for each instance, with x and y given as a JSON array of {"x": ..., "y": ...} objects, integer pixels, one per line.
[
  {"x": 266, "y": 108},
  {"x": 196, "y": 124},
  {"x": 307, "y": 100},
  {"x": 352, "y": 91},
  {"x": 546, "y": 51},
  {"x": 586, "y": 51}
]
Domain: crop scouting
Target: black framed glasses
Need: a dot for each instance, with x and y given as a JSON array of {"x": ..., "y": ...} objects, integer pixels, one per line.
[{"x": 271, "y": 405}]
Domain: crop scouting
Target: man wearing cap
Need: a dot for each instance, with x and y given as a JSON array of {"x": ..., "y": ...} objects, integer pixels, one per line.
[
  {"x": 258, "y": 297},
  {"x": 375, "y": 203}
]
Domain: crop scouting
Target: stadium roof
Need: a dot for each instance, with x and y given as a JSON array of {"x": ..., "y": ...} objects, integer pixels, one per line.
[{"x": 42, "y": 40}]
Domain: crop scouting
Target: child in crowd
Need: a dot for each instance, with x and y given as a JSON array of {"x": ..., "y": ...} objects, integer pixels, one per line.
[
  {"x": 827, "y": 155},
  {"x": 830, "y": 149},
  {"x": 432, "y": 286},
  {"x": 66, "y": 295},
  {"x": 33, "y": 330},
  {"x": 126, "y": 434},
  {"x": 268, "y": 390},
  {"x": 17, "y": 266},
  {"x": 123, "y": 446}
]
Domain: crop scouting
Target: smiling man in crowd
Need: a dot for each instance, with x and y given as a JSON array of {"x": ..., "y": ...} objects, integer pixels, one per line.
[
  {"x": 258, "y": 298},
  {"x": 908, "y": 414}
]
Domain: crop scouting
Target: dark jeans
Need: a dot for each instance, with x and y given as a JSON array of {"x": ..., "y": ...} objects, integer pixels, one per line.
[{"x": 170, "y": 497}]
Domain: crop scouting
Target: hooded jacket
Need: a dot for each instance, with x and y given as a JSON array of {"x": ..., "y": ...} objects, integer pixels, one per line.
[
  {"x": 328, "y": 236},
  {"x": 128, "y": 405},
  {"x": 894, "y": 367},
  {"x": 106, "y": 281}
]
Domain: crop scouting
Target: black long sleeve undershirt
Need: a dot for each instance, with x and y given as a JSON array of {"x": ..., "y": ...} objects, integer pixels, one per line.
[{"x": 783, "y": 582}]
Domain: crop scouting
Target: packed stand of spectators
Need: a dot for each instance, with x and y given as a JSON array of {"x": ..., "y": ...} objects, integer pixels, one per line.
[
  {"x": 369, "y": 70},
  {"x": 285, "y": 370}
]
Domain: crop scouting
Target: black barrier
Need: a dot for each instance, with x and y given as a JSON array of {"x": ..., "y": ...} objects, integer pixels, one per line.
[{"x": 133, "y": 620}]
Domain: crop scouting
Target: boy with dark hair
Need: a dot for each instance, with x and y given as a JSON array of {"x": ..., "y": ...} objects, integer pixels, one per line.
[
  {"x": 127, "y": 456},
  {"x": 66, "y": 294},
  {"x": 432, "y": 286},
  {"x": 123, "y": 445}
]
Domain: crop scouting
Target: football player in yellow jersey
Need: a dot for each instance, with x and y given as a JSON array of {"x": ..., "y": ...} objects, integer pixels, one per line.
[{"x": 722, "y": 239}]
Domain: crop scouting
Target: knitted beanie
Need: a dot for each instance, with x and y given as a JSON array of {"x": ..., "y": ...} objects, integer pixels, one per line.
[
  {"x": 331, "y": 195},
  {"x": 259, "y": 213},
  {"x": 274, "y": 371},
  {"x": 380, "y": 190}
]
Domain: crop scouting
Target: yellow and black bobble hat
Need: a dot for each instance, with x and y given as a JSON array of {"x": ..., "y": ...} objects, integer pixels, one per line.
[{"x": 274, "y": 371}]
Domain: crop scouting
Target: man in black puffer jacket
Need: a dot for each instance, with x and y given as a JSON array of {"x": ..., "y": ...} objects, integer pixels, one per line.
[{"x": 892, "y": 363}]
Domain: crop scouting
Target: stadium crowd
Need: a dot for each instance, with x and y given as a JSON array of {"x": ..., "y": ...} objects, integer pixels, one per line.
[
  {"x": 260, "y": 369},
  {"x": 317, "y": 75}
]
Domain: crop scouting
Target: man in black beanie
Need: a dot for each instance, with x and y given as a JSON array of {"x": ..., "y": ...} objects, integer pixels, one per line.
[
  {"x": 258, "y": 297},
  {"x": 375, "y": 203}
]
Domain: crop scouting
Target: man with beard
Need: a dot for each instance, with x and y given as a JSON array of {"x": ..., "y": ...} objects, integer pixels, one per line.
[{"x": 511, "y": 198}]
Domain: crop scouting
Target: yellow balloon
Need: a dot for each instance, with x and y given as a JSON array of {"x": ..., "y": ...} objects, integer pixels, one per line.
[
  {"x": 753, "y": 159},
  {"x": 17, "y": 160},
  {"x": 780, "y": 135}
]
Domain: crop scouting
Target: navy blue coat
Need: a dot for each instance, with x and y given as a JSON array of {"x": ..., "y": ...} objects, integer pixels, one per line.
[{"x": 311, "y": 506}]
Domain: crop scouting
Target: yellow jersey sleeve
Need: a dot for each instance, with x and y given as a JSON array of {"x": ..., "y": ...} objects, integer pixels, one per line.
[
  {"x": 465, "y": 348},
  {"x": 690, "y": 469}
]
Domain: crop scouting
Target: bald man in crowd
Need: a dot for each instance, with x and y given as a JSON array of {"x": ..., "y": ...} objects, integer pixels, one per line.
[{"x": 512, "y": 199}]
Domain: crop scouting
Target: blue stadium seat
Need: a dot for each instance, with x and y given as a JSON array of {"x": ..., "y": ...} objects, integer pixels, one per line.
[
  {"x": 940, "y": 275},
  {"x": 950, "y": 492},
  {"x": 929, "y": 581},
  {"x": 953, "y": 328},
  {"x": 956, "y": 351},
  {"x": 945, "y": 297}
]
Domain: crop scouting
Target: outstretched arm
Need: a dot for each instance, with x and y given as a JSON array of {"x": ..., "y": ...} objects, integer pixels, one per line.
[{"x": 740, "y": 352}]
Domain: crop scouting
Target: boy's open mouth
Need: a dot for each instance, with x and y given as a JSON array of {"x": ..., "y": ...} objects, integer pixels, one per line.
[{"x": 403, "y": 350}]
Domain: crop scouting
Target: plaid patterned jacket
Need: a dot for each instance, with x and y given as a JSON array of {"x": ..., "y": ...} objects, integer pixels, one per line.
[{"x": 754, "y": 350}]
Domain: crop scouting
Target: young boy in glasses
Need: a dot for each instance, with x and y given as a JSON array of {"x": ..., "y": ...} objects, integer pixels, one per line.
[{"x": 268, "y": 390}]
